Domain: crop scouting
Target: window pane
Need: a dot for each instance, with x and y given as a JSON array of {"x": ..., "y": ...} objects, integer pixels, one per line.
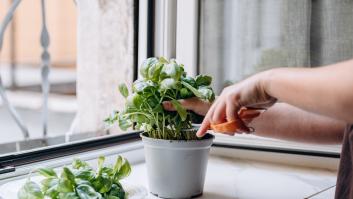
[
  {"x": 104, "y": 53},
  {"x": 240, "y": 37}
]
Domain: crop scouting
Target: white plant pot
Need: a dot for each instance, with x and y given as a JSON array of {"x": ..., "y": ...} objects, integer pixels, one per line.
[{"x": 176, "y": 168}]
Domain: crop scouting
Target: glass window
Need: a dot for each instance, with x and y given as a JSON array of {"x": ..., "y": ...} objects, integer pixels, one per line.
[
  {"x": 22, "y": 75},
  {"x": 240, "y": 37}
]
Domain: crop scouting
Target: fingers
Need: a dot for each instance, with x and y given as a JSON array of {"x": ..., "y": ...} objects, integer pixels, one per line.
[
  {"x": 194, "y": 104},
  {"x": 231, "y": 111},
  {"x": 168, "y": 106},
  {"x": 203, "y": 128}
]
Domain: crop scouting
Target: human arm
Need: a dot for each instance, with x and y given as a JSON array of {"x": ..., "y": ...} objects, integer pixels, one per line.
[
  {"x": 283, "y": 121},
  {"x": 325, "y": 90}
]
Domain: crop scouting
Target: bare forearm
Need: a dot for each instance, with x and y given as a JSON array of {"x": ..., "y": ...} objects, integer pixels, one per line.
[
  {"x": 284, "y": 121},
  {"x": 325, "y": 90}
]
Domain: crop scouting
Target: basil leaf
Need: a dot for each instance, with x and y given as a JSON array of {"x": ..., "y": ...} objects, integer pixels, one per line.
[
  {"x": 68, "y": 175},
  {"x": 146, "y": 65},
  {"x": 189, "y": 80},
  {"x": 84, "y": 174},
  {"x": 123, "y": 90},
  {"x": 181, "y": 110},
  {"x": 124, "y": 171},
  {"x": 30, "y": 190},
  {"x": 71, "y": 195},
  {"x": 77, "y": 163},
  {"x": 124, "y": 123},
  {"x": 87, "y": 192},
  {"x": 203, "y": 80},
  {"x": 52, "y": 192},
  {"x": 100, "y": 165},
  {"x": 117, "y": 191},
  {"x": 185, "y": 93},
  {"x": 102, "y": 183},
  {"x": 111, "y": 197},
  {"x": 117, "y": 165},
  {"x": 168, "y": 83},
  {"x": 47, "y": 172},
  {"x": 192, "y": 89},
  {"x": 48, "y": 183},
  {"x": 206, "y": 93},
  {"x": 65, "y": 186}
]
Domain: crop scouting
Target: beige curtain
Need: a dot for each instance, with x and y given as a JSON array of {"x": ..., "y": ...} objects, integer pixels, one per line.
[{"x": 241, "y": 37}]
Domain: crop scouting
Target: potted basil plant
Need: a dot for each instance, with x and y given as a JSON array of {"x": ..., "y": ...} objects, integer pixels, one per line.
[{"x": 176, "y": 158}]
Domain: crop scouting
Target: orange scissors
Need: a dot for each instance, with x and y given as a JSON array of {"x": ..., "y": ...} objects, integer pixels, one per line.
[{"x": 233, "y": 126}]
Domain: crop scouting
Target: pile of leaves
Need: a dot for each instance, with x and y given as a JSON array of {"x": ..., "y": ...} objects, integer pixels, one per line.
[
  {"x": 161, "y": 80},
  {"x": 80, "y": 182}
]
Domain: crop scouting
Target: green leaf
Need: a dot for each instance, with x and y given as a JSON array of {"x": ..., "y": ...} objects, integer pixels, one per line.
[
  {"x": 84, "y": 174},
  {"x": 170, "y": 70},
  {"x": 124, "y": 171},
  {"x": 141, "y": 86},
  {"x": 206, "y": 93},
  {"x": 87, "y": 192},
  {"x": 111, "y": 197},
  {"x": 30, "y": 190},
  {"x": 134, "y": 101},
  {"x": 52, "y": 192},
  {"x": 192, "y": 89},
  {"x": 154, "y": 72},
  {"x": 185, "y": 93},
  {"x": 77, "y": 163},
  {"x": 189, "y": 80},
  {"x": 146, "y": 65},
  {"x": 124, "y": 123},
  {"x": 117, "y": 165},
  {"x": 180, "y": 109},
  {"x": 47, "y": 172},
  {"x": 168, "y": 83},
  {"x": 100, "y": 165},
  {"x": 102, "y": 183},
  {"x": 71, "y": 195},
  {"x": 203, "y": 80},
  {"x": 163, "y": 60},
  {"x": 123, "y": 90},
  {"x": 65, "y": 186},
  {"x": 49, "y": 182},
  {"x": 68, "y": 175},
  {"x": 117, "y": 191}
]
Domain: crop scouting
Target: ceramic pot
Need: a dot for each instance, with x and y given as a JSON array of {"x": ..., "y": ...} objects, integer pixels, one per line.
[{"x": 176, "y": 168}]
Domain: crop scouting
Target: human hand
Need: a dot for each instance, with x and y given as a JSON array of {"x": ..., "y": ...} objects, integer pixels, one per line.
[
  {"x": 247, "y": 93},
  {"x": 194, "y": 104}
]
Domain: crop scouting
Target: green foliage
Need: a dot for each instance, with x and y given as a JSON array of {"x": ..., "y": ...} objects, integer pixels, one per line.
[
  {"x": 80, "y": 182},
  {"x": 161, "y": 80}
]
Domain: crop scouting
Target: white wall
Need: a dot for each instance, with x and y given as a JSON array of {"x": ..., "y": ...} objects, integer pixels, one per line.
[{"x": 105, "y": 58}]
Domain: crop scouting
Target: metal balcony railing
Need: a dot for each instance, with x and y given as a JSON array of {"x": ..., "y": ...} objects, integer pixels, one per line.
[{"x": 45, "y": 69}]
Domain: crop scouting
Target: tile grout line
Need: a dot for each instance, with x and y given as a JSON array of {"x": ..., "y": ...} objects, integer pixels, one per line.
[{"x": 320, "y": 192}]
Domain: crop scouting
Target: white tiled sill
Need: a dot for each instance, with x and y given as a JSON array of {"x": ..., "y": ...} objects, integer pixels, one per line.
[
  {"x": 227, "y": 177},
  {"x": 236, "y": 178}
]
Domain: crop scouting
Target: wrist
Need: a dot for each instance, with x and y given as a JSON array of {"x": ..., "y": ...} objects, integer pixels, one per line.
[{"x": 267, "y": 81}]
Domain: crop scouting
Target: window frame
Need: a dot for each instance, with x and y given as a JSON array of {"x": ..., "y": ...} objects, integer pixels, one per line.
[
  {"x": 147, "y": 28},
  {"x": 187, "y": 52}
]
